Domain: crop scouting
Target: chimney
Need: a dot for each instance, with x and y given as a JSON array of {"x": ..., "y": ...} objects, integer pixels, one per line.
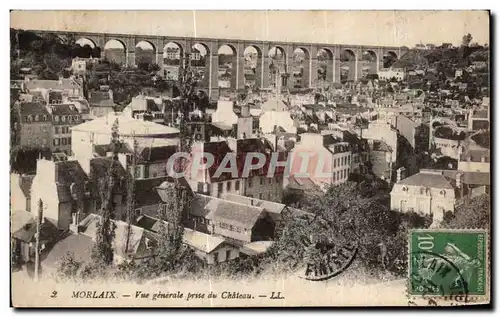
[{"x": 400, "y": 174}]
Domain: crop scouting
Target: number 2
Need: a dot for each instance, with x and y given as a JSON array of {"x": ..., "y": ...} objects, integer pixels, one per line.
[{"x": 54, "y": 294}]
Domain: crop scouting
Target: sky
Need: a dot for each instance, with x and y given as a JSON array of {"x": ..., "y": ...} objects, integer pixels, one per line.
[{"x": 385, "y": 28}]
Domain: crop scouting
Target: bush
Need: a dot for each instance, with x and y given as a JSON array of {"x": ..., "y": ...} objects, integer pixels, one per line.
[{"x": 68, "y": 266}]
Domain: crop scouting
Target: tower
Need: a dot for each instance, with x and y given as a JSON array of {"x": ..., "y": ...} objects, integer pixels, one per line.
[{"x": 245, "y": 123}]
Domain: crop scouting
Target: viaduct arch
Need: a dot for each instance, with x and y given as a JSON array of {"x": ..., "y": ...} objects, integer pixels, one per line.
[{"x": 250, "y": 60}]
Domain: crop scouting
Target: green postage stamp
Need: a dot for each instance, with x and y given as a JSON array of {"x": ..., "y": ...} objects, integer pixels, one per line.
[{"x": 448, "y": 263}]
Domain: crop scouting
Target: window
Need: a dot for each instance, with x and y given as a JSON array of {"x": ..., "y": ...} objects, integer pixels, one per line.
[
  {"x": 348, "y": 160},
  {"x": 260, "y": 196},
  {"x": 29, "y": 119},
  {"x": 335, "y": 163},
  {"x": 37, "y": 118},
  {"x": 63, "y": 118},
  {"x": 56, "y": 118},
  {"x": 216, "y": 257},
  {"x": 334, "y": 177},
  {"x": 228, "y": 186},
  {"x": 270, "y": 180},
  {"x": 228, "y": 255},
  {"x": 69, "y": 141},
  {"x": 249, "y": 183},
  {"x": 338, "y": 175},
  {"x": 262, "y": 180},
  {"x": 237, "y": 185},
  {"x": 137, "y": 213}
]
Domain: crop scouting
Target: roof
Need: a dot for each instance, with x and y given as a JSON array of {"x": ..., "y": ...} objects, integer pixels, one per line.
[
  {"x": 81, "y": 105},
  {"x": 64, "y": 109},
  {"x": 200, "y": 205},
  {"x": 25, "y": 184},
  {"x": 32, "y": 108},
  {"x": 140, "y": 103},
  {"x": 472, "y": 178},
  {"x": 67, "y": 173},
  {"x": 103, "y": 149},
  {"x": 79, "y": 245},
  {"x": 274, "y": 104},
  {"x": 19, "y": 218},
  {"x": 433, "y": 179},
  {"x": 201, "y": 241},
  {"x": 127, "y": 126},
  {"x": 147, "y": 222},
  {"x": 235, "y": 214},
  {"x": 480, "y": 114},
  {"x": 269, "y": 206},
  {"x": 89, "y": 228},
  {"x": 256, "y": 247},
  {"x": 303, "y": 183},
  {"x": 145, "y": 191},
  {"x": 100, "y": 99},
  {"x": 159, "y": 153},
  {"x": 195, "y": 239},
  {"x": 26, "y": 233},
  {"x": 63, "y": 84}
]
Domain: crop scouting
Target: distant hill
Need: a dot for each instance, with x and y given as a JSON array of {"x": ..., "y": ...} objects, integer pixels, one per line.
[{"x": 412, "y": 59}]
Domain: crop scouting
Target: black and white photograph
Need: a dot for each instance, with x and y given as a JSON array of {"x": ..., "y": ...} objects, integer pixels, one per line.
[{"x": 277, "y": 158}]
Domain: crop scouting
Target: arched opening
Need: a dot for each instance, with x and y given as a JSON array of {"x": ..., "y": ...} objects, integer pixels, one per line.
[
  {"x": 114, "y": 51},
  {"x": 369, "y": 62},
  {"x": 172, "y": 56},
  {"x": 389, "y": 59},
  {"x": 325, "y": 65},
  {"x": 200, "y": 63},
  {"x": 299, "y": 67},
  {"x": 85, "y": 41},
  {"x": 277, "y": 66},
  {"x": 145, "y": 54},
  {"x": 226, "y": 68},
  {"x": 252, "y": 59},
  {"x": 85, "y": 47},
  {"x": 347, "y": 66}
]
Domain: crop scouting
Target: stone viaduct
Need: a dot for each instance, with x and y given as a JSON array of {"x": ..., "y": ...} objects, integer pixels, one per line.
[{"x": 338, "y": 62}]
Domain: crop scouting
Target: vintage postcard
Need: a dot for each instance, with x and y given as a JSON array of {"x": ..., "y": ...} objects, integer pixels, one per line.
[{"x": 250, "y": 158}]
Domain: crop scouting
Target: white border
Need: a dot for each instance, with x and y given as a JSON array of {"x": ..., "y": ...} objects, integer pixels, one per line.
[{"x": 190, "y": 4}]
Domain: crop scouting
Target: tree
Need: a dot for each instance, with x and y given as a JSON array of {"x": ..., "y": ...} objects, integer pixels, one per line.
[
  {"x": 475, "y": 214},
  {"x": 68, "y": 266},
  {"x": 342, "y": 216},
  {"x": 466, "y": 39},
  {"x": 130, "y": 196},
  {"x": 103, "y": 252}
]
